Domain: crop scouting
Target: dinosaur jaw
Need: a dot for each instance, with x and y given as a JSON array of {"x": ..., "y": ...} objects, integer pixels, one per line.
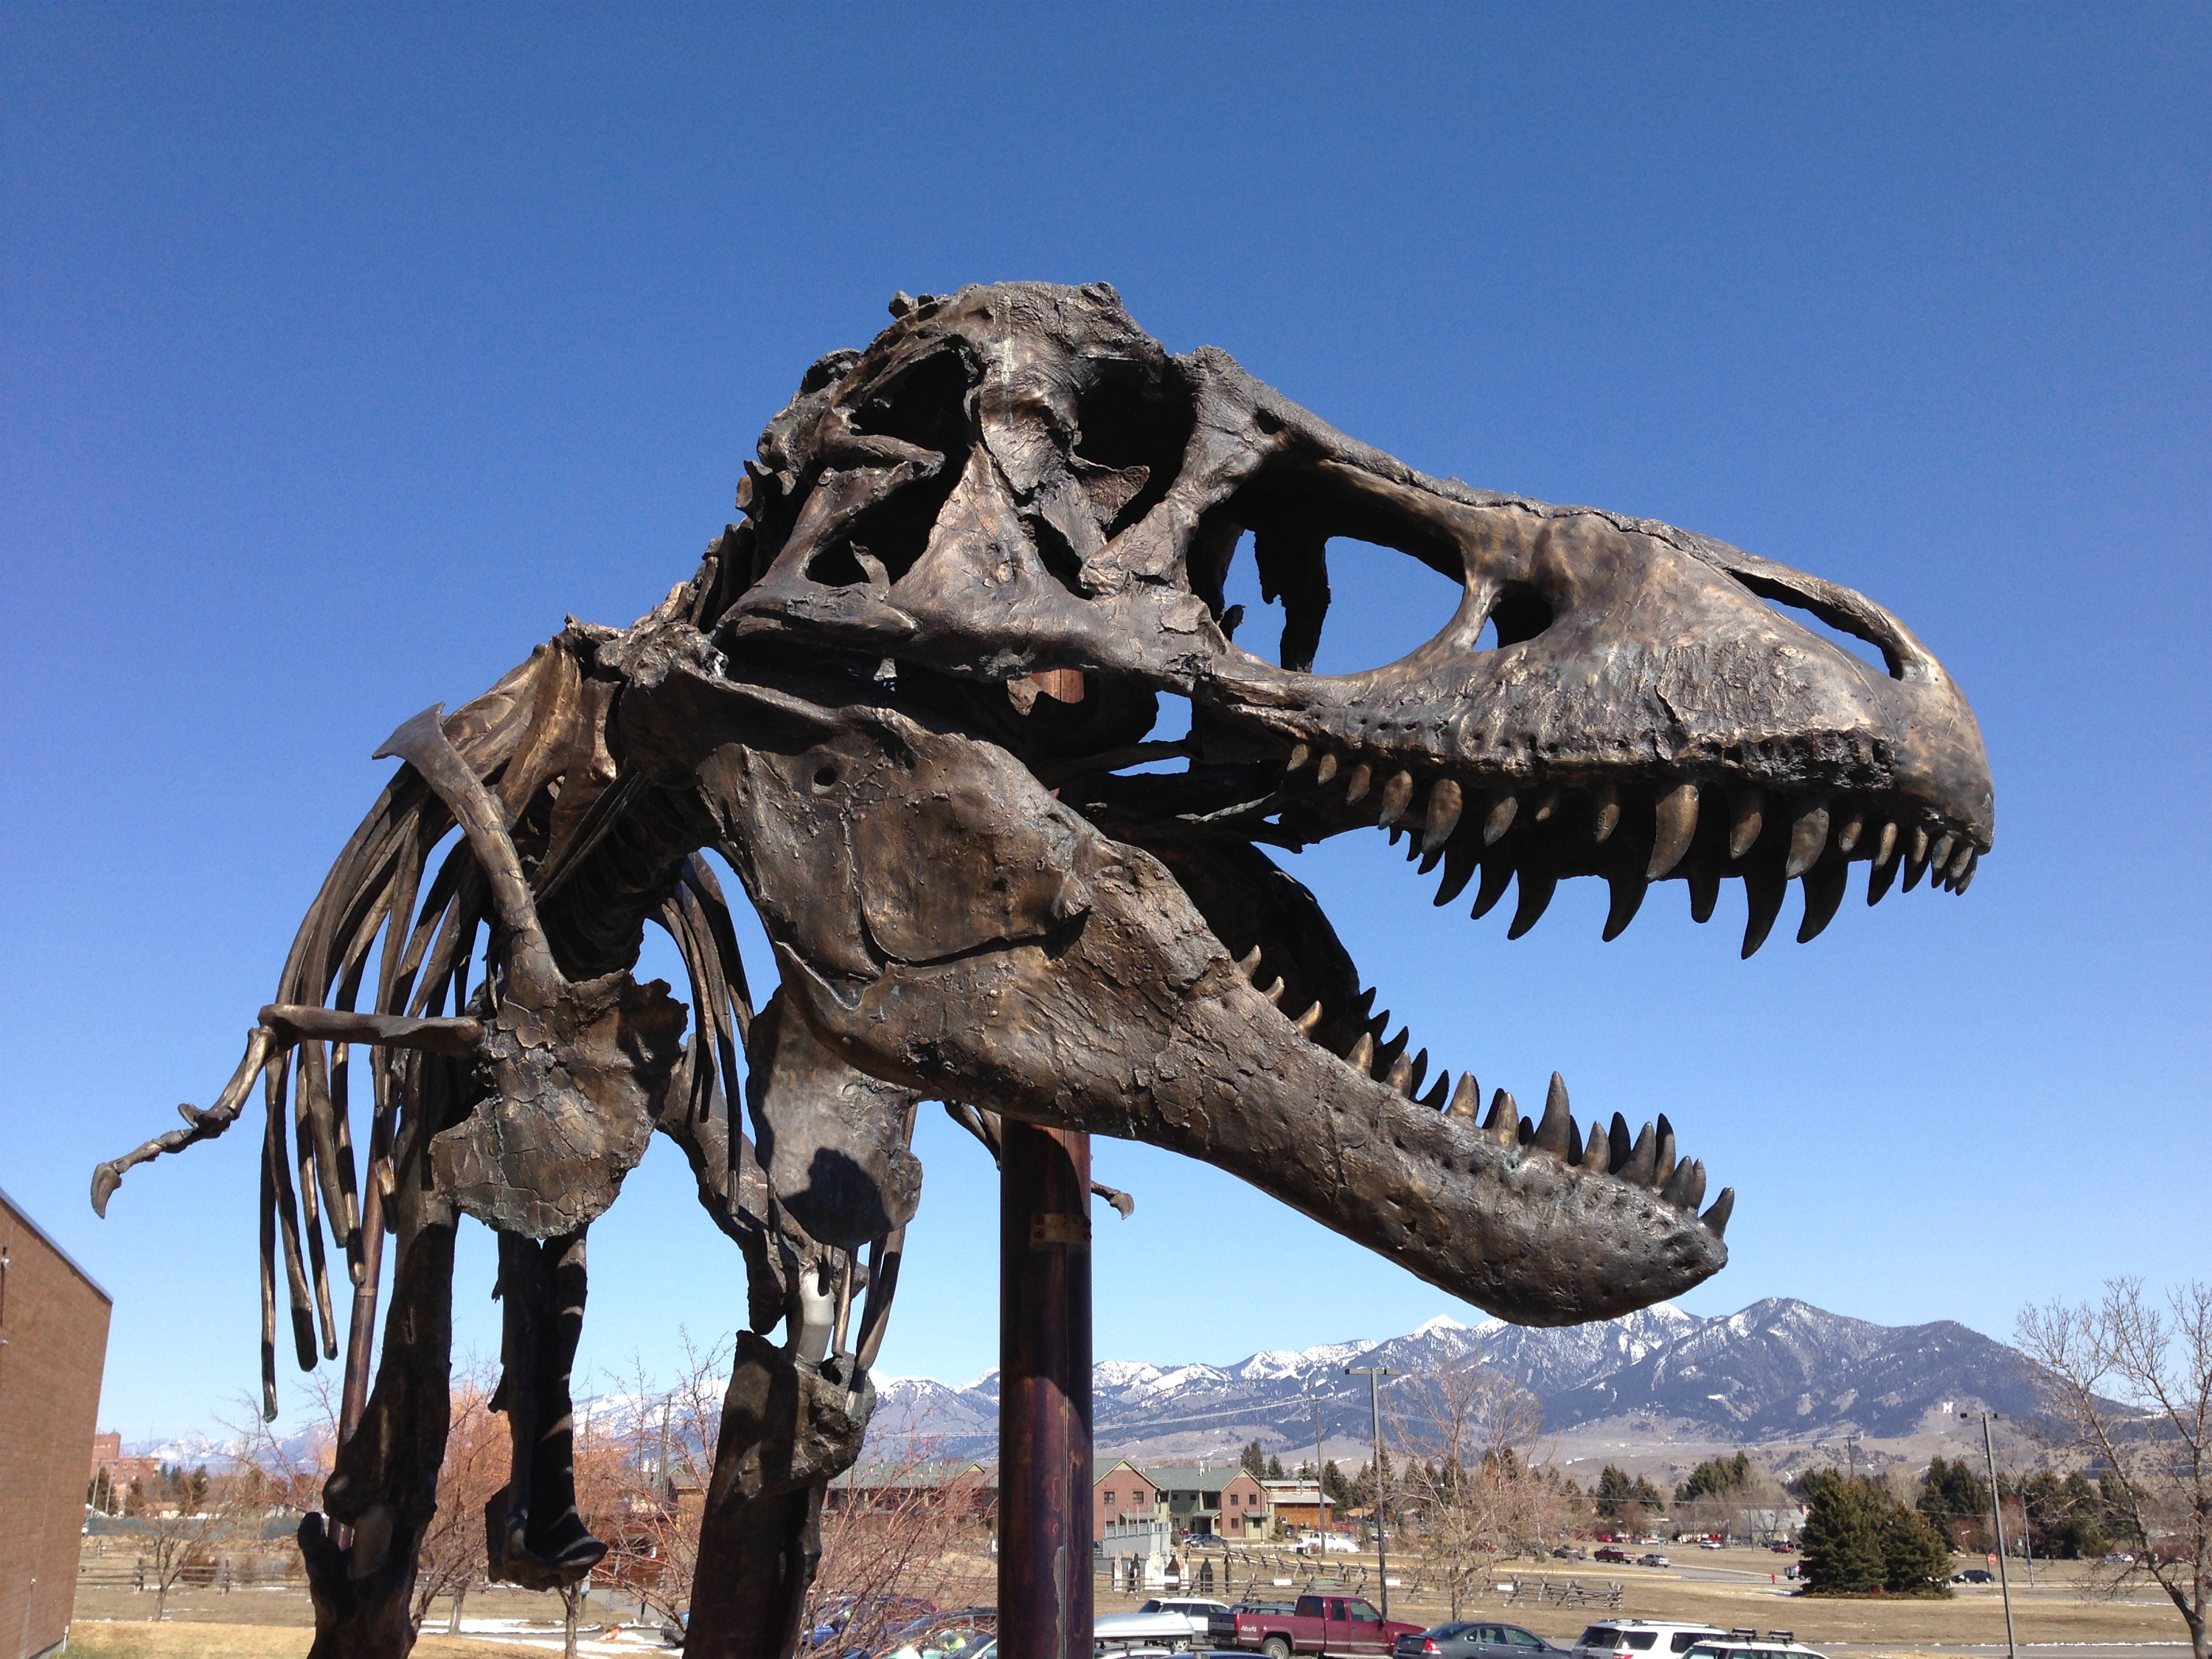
[
  {"x": 943, "y": 923},
  {"x": 1524, "y": 1219}
]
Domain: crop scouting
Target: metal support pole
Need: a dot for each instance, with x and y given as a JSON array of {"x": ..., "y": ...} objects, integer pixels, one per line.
[
  {"x": 1044, "y": 1392},
  {"x": 1996, "y": 1508},
  {"x": 1375, "y": 1374}
]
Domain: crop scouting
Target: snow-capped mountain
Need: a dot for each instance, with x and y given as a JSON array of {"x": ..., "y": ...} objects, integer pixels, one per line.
[{"x": 1779, "y": 1368}]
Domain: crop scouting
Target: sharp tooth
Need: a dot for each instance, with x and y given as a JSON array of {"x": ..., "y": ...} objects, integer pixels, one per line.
[
  {"x": 1642, "y": 1159},
  {"x": 1431, "y": 858},
  {"x": 1546, "y": 804},
  {"x": 1308, "y": 1020},
  {"x": 1397, "y": 796},
  {"x": 1704, "y": 894},
  {"x": 1378, "y": 1024},
  {"x": 1854, "y": 826},
  {"x": 1960, "y": 858},
  {"x": 1536, "y": 892},
  {"x": 1496, "y": 873},
  {"x": 1444, "y": 815},
  {"x": 1618, "y": 1144},
  {"x": 1406, "y": 1074},
  {"x": 1687, "y": 1185},
  {"x": 1326, "y": 770},
  {"x": 1299, "y": 755},
  {"x": 1915, "y": 867},
  {"x": 1434, "y": 1100},
  {"x": 1746, "y": 816},
  {"x": 1396, "y": 830},
  {"x": 1362, "y": 775},
  {"x": 1664, "y": 1166},
  {"x": 1717, "y": 1219},
  {"x": 1885, "y": 846},
  {"x": 1458, "y": 870},
  {"x": 1940, "y": 854},
  {"x": 1973, "y": 863},
  {"x": 1808, "y": 839},
  {"x": 1362, "y": 1005},
  {"x": 1386, "y": 1057},
  {"x": 1879, "y": 877},
  {"x": 1628, "y": 892},
  {"x": 1605, "y": 813},
  {"x": 1248, "y": 963},
  {"x": 1824, "y": 885},
  {"x": 1466, "y": 1099},
  {"x": 1497, "y": 815},
  {"x": 1527, "y": 1134},
  {"x": 1917, "y": 850},
  {"x": 1677, "y": 822},
  {"x": 1274, "y": 993},
  {"x": 1597, "y": 1152},
  {"x": 1504, "y": 1123},
  {"x": 1763, "y": 889},
  {"x": 1362, "y": 1057},
  {"x": 1556, "y": 1134}
]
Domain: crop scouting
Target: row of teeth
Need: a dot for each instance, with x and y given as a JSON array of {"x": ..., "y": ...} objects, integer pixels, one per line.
[
  {"x": 1648, "y": 1160},
  {"x": 1449, "y": 828}
]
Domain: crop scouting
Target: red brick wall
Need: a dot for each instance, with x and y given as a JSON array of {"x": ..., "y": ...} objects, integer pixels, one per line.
[{"x": 53, "y": 1322}]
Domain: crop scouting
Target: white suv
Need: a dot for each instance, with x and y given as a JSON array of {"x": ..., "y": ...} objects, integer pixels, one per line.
[{"x": 1642, "y": 1638}]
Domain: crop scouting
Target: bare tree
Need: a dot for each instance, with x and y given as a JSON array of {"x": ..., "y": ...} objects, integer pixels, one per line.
[
  {"x": 190, "y": 1514},
  {"x": 2154, "y": 1455},
  {"x": 451, "y": 1557},
  {"x": 1472, "y": 1430},
  {"x": 668, "y": 1460},
  {"x": 890, "y": 1538}
]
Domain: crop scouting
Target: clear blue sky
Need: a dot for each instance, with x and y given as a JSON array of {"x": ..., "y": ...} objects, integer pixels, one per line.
[{"x": 344, "y": 353}]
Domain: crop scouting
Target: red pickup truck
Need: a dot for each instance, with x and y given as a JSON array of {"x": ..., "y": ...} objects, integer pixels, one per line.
[{"x": 1317, "y": 1623}]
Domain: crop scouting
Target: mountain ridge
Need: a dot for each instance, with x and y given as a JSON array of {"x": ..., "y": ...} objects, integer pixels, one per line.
[{"x": 1780, "y": 1369}]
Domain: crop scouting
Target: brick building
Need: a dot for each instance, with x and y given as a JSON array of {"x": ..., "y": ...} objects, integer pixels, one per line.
[
  {"x": 1119, "y": 1491},
  {"x": 1226, "y": 1501},
  {"x": 53, "y": 1344},
  {"x": 122, "y": 1472}
]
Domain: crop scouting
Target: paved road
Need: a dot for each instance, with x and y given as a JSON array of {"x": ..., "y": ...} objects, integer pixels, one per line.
[{"x": 2039, "y": 1649}]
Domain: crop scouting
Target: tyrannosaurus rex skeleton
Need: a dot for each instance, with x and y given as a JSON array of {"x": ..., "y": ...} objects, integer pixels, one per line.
[{"x": 906, "y": 699}]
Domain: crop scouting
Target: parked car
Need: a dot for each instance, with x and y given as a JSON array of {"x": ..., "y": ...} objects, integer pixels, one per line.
[
  {"x": 1782, "y": 1546},
  {"x": 1747, "y": 1644},
  {"x": 1612, "y": 1552},
  {"x": 1327, "y": 1543},
  {"x": 1169, "y": 1621},
  {"x": 1626, "y": 1638},
  {"x": 1204, "y": 1541},
  {"x": 1571, "y": 1553},
  {"x": 1974, "y": 1576},
  {"x": 1709, "y": 1543},
  {"x": 1653, "y": 1559},
  {"x": 1315, "y": 1623},
  {"x": 1462, "y": 1640}
]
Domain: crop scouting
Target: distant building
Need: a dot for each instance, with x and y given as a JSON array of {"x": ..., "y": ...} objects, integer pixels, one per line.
[
  {"x": 1300, "y": 1504},
  {"x": 122, "y": 1472},
  {"x": 882, "y": 1487},
  {"x": 1226, "y": 1501},
  {"x": 1120, "y": 1493},
  {"x": 53, "y": 1346}
]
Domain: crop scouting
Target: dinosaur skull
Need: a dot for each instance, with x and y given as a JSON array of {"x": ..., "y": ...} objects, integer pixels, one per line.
[{"x": 1016, "y": 506}]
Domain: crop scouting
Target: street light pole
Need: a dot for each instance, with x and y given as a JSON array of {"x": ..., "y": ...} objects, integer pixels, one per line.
[
  {"x": 1996, "y": 1508},
  {"x": 1375, "y": 1374},
  {"x": 1321, "y": 1491}
]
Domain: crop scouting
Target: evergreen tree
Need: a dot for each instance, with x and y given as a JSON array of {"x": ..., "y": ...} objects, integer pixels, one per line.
[
  {"x": 1859, "y": 1540},
  {"x": 1616, "y": 1493},
  {"x": 1253, "y": 1461},
  {"x": 1333, "y": 1485},
  {"x": 1717, "y": 1477},
  {"x": 1842, "y": 1538},
  {"x": 1275, "y": 1470},
  {"x": 1915, "y": 1560}
]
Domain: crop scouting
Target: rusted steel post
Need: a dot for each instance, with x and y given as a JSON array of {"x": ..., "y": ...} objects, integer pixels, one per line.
[{"x": 1044, "y": 1392}]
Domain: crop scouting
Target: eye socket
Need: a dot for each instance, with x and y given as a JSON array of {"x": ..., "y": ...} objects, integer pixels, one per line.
[{"x": 1518, "y": 613}]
